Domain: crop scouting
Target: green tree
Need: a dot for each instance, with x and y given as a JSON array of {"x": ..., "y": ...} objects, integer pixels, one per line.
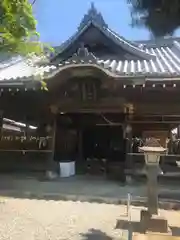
[
  {"x": 18, "y": 33},
  {"x": 18, "y": 28},
  {"x": 161, "y": 17}
]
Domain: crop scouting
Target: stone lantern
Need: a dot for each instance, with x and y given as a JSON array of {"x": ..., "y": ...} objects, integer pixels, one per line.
[{"x": 152, "y": 151}]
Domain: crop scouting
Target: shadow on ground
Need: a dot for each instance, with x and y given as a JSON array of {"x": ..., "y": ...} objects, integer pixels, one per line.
[
  {"x": 61, "y": 197},
  {"x": 136, "y": 227},
  {"x": 20, "y": 194},
  {"x": 94, "y": 234},
  {"x": 83, "y": 189}
]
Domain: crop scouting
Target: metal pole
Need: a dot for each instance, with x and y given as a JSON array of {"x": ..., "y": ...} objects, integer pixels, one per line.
[
  {"x": 129, "y": 216},
  {"x": 128, "y": 204}
]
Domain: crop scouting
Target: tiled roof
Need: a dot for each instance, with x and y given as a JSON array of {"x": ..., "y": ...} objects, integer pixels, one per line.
[
  {"x": 157, "y": 59},
  {"x": 22, "y": 69},
  {"x": 17, "y": 69},
  {"x": 165, "y": 64}
]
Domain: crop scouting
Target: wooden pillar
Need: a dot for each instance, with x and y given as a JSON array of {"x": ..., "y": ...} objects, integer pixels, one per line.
[
  {"x": 1, "y": 124},
  {"x": 80, "y": 145},
  {"x": 178, "y": 131},
  {"x": 128, "y": 137},
  {"x": 52, "y": 166},
  {"x": 1, "y": 128},
  {"x": 80, "y": 161},
  {"x": 128, "y": 145},
  {"x": 170, "y": 142},
  {"x": 25, "y": 155},
  {"x": 26, "y": 135}
]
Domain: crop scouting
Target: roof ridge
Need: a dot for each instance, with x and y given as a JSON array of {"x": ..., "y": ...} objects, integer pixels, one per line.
[
  {"x": 109, "y": 33},
  {"x": 158, "y": 42},
  {"x": 132, "y": 46},
  {"x": 123, "y": 38},
  {"x": 92, "y": 15}
]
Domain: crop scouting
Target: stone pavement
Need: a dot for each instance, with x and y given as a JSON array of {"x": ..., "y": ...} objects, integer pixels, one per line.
[
  {"x": 154, "y": 237},
  {"x": 84, "y": 189}
]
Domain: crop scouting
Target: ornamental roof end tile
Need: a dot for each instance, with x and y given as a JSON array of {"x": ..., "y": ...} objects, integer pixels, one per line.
[
  {"x": 92, "y": 16},
  {"x": 83, "y": 56}
]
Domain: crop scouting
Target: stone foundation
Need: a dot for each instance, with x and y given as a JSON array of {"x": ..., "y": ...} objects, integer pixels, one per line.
[{"x": 153, "y": 223}]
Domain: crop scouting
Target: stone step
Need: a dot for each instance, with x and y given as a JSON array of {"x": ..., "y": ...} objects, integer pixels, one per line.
[{"x": 154, "y": 236}]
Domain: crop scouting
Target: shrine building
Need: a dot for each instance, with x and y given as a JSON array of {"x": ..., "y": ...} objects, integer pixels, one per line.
[{"x": 103, "y": 91}]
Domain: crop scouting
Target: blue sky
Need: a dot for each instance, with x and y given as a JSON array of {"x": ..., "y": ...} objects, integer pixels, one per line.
[{"x": 58, "y": 19}]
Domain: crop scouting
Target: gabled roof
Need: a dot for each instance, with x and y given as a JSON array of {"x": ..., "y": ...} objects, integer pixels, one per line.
[
  {"x": 165, "y": 65},
  {"x": 94, "y": 18},
  {"x": 156, "y": 59}
]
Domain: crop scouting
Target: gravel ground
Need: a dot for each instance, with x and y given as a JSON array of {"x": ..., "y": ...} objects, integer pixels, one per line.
[
  {"x": 23, "y": 219},
  {"x": 44, "y": 220}
]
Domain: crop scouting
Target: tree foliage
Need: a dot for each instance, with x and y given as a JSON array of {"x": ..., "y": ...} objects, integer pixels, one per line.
[
  {"x": 161, "y": 17},
  {"x": 18, "y": 27}
]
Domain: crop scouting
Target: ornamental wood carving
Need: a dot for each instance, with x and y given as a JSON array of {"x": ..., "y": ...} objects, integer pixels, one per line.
[{"x": 88, "y": 88}]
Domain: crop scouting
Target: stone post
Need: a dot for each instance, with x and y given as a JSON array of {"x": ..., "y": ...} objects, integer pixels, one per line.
[{"x": 152, "y": 185}]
